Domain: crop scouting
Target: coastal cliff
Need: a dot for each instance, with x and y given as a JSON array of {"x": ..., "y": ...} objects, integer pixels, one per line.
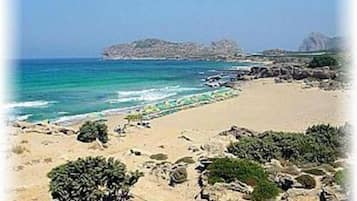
[{"x": 161, "y": 49}]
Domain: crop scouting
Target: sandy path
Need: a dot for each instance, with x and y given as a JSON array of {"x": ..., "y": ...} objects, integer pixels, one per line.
[{"x": 262, "y": 105}]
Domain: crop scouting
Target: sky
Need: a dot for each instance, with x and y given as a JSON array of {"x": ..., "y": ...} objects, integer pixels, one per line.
[{"x": 82, "y": 28}]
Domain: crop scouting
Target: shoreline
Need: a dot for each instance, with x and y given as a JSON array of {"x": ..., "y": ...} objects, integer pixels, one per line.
[{"x": 262, "y": 105}]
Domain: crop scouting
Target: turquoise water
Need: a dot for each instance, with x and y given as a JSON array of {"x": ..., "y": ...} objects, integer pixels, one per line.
[{"x": 66, "y": 89}]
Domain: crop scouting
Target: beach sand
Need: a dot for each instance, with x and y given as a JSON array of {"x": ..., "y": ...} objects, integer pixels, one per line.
[{"x": 262, "y": 105}]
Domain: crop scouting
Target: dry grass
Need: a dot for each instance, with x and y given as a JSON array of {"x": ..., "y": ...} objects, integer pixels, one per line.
[
  {"x": 18, "y": 149},
  {"x": 47, "y": 160},
  {"x": 24, "y": 142},
  {"x": 159, "y": 157}
]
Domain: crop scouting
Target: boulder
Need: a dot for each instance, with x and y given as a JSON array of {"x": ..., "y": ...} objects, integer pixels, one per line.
[
  {"x": 204, "y": 162},
  {"x": 285, "y": 181},
  {"x": 66, "y": 131},
  {"x": 178, "y": 174},
  {"x": 327, "y": 195},
  {"x": 218, "y": 192},
  {"x": 238, "y": 132}
]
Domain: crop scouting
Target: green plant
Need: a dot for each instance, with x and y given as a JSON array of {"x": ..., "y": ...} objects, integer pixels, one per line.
[
  {"x": 159, "y": 156},
  {"x": 187, "y": 160},
  {"x": 315, "y": 171},
  {"x": 319, "y": 144},
  {"x": 92, "y": 178},
  {"x": 265, "y": 190},
  {"x": 134, "y": 117},
  {"x": 90, "y": 131},
  {"x": 228, "y": 170},
  {"x": 328, "y": 168},
  {"x": 324, "y": 60},
  {"x": 306, "y": 181},
  {"x": 341, "y": 178}
]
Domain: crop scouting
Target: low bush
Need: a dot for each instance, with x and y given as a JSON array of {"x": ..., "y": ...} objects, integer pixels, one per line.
[
  {"x": 319, "y": 144},
  {"x": 327, "y": 167},
  {"x": 315, "y": 171},
  {"x": 306, "y": 181},
  {"x": 341, "y": 178},
  {"x": 91, "y": 178},
  {"x": 324, "y": 60},
  {"x": 265, "y": 191},
  {"x": 228, "y": 170},
  {"x": 187, "y": 160},
  {"x": 92, "y": 130},
  {"x": 159, "y": 156}
]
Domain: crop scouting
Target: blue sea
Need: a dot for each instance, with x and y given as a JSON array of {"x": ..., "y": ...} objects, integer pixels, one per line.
[{"x": 69, "y": 89}]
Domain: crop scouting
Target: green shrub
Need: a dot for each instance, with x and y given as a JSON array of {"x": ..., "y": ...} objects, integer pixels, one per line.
[
  {"x": 320, "y": 61},
  {"x": 307, "y": 181},
  {"x": 91, "y": 178},
  {"x": 187, "y": 160},
  {"x": 341, "y": 178},
  {"x": 338, "y": 164},
  {"x": 319, "y": 144},
  {"x": 315, "y": 171},
  {"x": 90, "y": 131},
  {"x": 159, "y": 156},
  {"x": 328, "y": 168},
  {"x": 265, "y": 190},
  {"x": 134, "y": 117},
  {"x": 228, "y": 170}
]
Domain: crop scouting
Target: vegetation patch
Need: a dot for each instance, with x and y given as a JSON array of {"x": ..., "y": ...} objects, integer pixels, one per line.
[
  {"x": 265, "y": 191},
  {"x": 93, "y": 130},
  {"x": 187, "y": 160},
  {"x": 319, "y": 144},
  {"x": 307, "y": 181},
  {"x": 134, "y": 117},
  {"x": 159, "y": 157},
  {"x": 341, "y": 178},
  {"x": 92, "y": 178},
  {"x": 18, "y": 149},
  {"x": 315, "y": 171},
  {"x": 323, "y": 60},
  {"x": 328, "y": 168},
  {"x": 228, "y": 170}
]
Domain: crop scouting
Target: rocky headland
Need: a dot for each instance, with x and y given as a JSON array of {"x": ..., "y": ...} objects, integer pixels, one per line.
[
  {"x": 317, "y": 41},
  {"x": 161, "y": 49}
]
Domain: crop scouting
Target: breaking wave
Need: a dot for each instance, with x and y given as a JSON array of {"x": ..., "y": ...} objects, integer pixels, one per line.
[
  {"x": 28, "y": 104},
  {"x": 150, "y": 95}
]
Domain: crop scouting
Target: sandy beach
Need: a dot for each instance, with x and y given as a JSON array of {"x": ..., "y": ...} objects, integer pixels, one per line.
[{"x": 262, "y": 105}]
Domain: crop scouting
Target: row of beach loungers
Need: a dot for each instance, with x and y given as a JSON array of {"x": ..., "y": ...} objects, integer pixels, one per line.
[{"x": 152, "y": 111}]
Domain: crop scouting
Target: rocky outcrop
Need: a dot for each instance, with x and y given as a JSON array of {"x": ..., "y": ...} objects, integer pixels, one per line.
[
  {"x": 238, "y": 132},
  {"x": 292, "y": 72},
  {"x": 41, "y": 128},
  {"x": 318, "y": 41},
  {"x": 178, "y": 174},
  {"x": 161, "y": 49}
]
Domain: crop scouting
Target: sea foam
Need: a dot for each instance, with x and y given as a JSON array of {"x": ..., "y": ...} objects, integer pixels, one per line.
[
  {"x": 150, "y": 95},
  {"x": 38, "y": 103}
]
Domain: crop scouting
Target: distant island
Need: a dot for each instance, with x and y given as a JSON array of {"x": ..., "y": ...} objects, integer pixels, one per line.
[
  {"x": 317, "y": 41},
  {"x": 161, "y": 49},
  {"x": 224, "y": 49}
]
